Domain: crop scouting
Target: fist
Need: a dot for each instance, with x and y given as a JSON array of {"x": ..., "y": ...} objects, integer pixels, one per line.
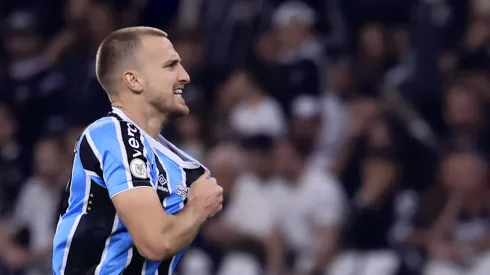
[{"x": 206, "y": 196}]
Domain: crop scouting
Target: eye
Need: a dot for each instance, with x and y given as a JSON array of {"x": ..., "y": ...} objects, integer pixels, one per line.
[{"x": 172, "y": 65}]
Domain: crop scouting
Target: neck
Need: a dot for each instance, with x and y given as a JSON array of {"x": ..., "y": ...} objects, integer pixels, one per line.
[
  {"x": 255, "y": 99},
  {"x": 296, "y": 175},
  {"x": 475, "y": 204},
  {"x": 151, "y": 122}
]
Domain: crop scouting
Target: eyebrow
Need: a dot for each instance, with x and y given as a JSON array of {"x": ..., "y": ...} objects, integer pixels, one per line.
[{"x": 173, "y": 60}]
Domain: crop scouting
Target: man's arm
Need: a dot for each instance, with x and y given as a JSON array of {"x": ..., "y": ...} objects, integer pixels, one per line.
[
  {"x": 116, "y": 153},
  {"x": 156, "y": 234},
  {"x": 329, "y": 242},
  {"x": 275, "y": 253},
  {"x": 327, "y": 221}
]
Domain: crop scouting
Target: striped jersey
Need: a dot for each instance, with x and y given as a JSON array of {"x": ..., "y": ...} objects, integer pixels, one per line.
[{"x": 114, "y": 155}]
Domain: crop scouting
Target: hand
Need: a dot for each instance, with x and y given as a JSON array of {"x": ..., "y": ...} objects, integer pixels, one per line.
[{"x": 206, "y": 196}]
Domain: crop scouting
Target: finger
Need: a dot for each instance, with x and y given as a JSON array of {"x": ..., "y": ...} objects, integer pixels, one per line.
[{"x": 205, "y": 175}]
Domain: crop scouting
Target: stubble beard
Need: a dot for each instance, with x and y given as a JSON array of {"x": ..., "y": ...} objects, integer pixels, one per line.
[{"x": 169, "y": 109}]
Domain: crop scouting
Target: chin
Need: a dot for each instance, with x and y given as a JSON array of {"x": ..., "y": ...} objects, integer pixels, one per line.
[{"x": 176, "y": 114}]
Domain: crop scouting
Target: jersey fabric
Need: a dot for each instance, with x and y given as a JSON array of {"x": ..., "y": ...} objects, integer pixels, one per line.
[{"x": 114, "y": 155}]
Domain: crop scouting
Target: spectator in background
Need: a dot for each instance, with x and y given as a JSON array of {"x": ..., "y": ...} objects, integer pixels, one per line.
[
  {"x": 217, "y": 238},
  {"x": 266, "y": 56},
  {"x": 473, "y": 52},
  {"x": 71, "y": 138},
  {"x": 300, "y": 53},
  {"x": 464, "y": 117},
  {"x": 481, "y": 7},
  {"x": 460, "y": 239},
  {"x": 368, "y": 250},
  {"x": 294, "y": 21},
  {"x": 69, "y": 143},
  {"x": 305, "y": 121},
  {"x": 31, "y": 89},
  {"x": 257, "y": 113},
  {"x": 13, "y": 166},
  {"x": 334, "y": 117},
  {"x": 228, "y": 95},
  {"x": 249, "y": 213},
  {"x": 83, "y": 92},
  {"x": 26, "y": 239},
  {"x": 309, "y": 219},
  {"x": 191, "y": 49},
  {"x": 189, "y": 130},
  {"x": 375, "y": 58}
]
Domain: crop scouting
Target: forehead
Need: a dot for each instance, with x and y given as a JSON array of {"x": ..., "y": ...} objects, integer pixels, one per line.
[{"x": 158, "y": 48}]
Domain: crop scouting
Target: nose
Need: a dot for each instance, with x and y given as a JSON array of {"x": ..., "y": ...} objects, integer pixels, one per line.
[{"x": 183, "y": 76}]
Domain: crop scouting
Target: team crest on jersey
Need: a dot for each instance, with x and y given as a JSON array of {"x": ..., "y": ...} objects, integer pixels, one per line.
[{"x": 138, "y": 168}]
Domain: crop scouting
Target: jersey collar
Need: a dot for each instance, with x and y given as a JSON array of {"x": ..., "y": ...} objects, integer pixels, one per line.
[{"x": 161, "y": 145}]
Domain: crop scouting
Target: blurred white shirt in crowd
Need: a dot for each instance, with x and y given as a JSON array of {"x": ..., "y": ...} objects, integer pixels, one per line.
[
  {"x": 316, "y": 201},
  {"x": 36, "y": 211},
  {"x": 333, "y": 132},
  {"x": 252, "y": 210},
  {"x": 265, "y": 118}
]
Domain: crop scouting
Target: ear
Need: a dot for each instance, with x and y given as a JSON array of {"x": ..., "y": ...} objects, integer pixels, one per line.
[{"x": 133, "y": 81}]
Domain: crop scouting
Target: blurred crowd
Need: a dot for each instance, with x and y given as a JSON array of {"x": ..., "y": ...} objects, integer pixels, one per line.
[{"x": 351, "y": 137}]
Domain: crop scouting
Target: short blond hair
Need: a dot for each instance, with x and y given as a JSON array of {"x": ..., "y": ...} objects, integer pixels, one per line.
[{"x": 119, "y": 45}]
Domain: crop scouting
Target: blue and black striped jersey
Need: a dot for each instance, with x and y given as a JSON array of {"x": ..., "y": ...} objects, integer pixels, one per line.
[{"x": 114, "y": 155}]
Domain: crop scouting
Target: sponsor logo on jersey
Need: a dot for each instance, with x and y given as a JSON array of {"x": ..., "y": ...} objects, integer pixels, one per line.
[
  {"x": 182, "y": 190},
  {"x": 162, "y": 183}
]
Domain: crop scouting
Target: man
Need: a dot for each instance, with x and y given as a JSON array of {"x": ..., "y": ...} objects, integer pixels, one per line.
[
  {"x": 310, "y": 206},
  {"x": 124, "y": 208},
  {"x": 26, "y": 237}
]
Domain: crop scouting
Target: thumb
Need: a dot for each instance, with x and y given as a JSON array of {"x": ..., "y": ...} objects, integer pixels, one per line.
[{"x": 205, "y": 175}]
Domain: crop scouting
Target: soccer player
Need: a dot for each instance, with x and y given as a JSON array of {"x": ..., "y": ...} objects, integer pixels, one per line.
[{"x": 134, "y": 200}]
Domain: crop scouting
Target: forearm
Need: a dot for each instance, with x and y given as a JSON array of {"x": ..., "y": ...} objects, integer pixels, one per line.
[
  {"x": 183, "y": 229},
  {"x": 325, "y": 252},
  {"x": 446, "y": 219},
  {"x": 275, "y": 254},
  {"x": 249, "y": 244}
]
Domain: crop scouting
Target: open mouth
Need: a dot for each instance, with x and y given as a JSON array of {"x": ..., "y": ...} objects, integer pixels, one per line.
[{"x": 178, "y": 93}]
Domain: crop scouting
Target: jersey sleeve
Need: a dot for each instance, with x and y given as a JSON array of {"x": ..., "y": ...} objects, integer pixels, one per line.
[{"x": 123, "y": 157}]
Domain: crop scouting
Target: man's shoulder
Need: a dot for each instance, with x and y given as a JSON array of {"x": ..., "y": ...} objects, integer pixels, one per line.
[
  {"x": 113, "y": 128},
  {"x": 116, "y": 135}
]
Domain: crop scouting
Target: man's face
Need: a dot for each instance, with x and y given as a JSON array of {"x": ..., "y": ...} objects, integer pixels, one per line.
[
  {"x": 259, "y": 162},
  {"x": 463, "y": 172},
  {"x": 287, "y": 161},
  {"x": 292, "y": 34},
  {"x": 163, "y": 76},
  {"x": 48, "y": 159},
  {"x": 462, "y": 109}
]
